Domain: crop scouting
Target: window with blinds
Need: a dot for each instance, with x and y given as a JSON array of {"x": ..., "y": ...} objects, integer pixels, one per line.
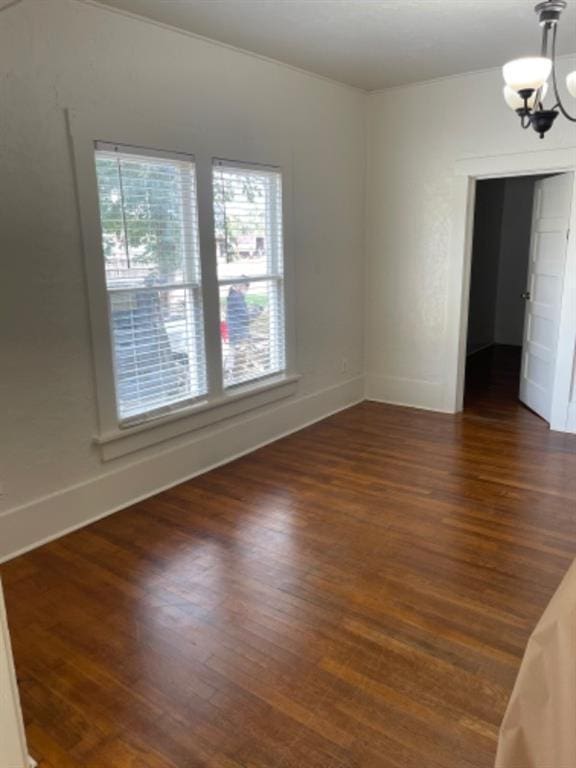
[
  {"x": 167, "y": 329},
  {"x": 249, "y": 238},
  {"x": 149, "y": 223}
]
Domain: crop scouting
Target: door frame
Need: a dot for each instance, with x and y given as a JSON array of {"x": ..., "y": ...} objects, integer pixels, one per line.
[{"x": 467, "y": 173}]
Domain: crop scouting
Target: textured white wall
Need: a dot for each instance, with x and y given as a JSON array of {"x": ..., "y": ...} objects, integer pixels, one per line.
[
  {"x": 62, "y": 54},
  {"x": 416, "y": 136}
]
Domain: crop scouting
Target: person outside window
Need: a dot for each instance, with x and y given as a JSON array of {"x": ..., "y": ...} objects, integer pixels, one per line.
[{"x": 238, "y": 319}]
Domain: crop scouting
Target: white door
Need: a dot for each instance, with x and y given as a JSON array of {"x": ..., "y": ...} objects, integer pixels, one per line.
[{"x": 550, "y": 225}]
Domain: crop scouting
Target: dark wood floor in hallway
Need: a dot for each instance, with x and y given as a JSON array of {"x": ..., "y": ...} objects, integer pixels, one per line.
[{"x": 357, "y": 595}]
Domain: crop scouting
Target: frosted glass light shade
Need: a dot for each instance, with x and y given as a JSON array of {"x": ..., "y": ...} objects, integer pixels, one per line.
[
  {"x": 515, "y": 101},
  {"x": 527, "y": 73},
  {"x": 571, "y": 83}
]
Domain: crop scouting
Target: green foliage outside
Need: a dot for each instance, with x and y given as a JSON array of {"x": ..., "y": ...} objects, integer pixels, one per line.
[
  {"x": 231, "y": 222},
  {"x": 145, "y": 200}
]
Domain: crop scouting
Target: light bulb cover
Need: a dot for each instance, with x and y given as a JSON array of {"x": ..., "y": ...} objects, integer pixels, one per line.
[
  {"x": 571, "y": 83},
  {"x": 515, "y": 101},
  {"x": 529, "y": 73}
]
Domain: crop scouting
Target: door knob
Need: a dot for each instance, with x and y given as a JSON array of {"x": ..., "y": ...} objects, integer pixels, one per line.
[{"x": 526, "y": 295}]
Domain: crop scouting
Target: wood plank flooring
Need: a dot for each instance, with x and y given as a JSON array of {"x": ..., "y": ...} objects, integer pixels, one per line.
[{"x": 357, "y": 595}]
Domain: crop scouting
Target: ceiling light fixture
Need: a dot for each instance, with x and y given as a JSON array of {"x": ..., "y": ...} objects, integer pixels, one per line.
[{"x": 526, "y": 79}]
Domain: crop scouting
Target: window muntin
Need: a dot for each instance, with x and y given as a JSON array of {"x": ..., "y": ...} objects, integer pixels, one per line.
[
  {"x": 149, "y": 224},
  {"x": 249, "y": 255}
]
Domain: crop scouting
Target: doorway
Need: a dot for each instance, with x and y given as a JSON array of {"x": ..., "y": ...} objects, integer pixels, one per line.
[{"x": 519, "y": 249}]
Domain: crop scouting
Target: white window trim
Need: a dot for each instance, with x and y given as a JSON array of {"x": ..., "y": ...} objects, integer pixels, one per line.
[
  {"x": 114, "y": 438},
  {"x": 193, "y": 285},
  {"x": 275, "y": 275}
]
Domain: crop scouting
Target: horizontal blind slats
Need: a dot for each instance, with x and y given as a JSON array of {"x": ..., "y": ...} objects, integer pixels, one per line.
[
  {"x": 150, "y": 238},
  {"x": 249, "y": 239}
]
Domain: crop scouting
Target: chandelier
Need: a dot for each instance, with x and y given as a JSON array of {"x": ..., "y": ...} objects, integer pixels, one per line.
[{"x": 527, "y": 79}]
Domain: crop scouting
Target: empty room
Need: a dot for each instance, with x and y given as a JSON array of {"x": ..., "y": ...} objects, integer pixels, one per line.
[{"x": 288, "y": 384}]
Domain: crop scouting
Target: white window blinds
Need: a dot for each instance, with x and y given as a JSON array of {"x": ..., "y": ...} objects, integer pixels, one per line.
[
  {"x": 248, "y": 230},
  {"x": 149, "y": 227}
]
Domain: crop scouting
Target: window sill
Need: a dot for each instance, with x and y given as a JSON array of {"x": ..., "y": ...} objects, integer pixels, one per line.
[{"x": 121, "y": 441}]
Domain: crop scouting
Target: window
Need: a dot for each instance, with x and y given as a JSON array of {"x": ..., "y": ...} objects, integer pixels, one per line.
[
  {"x": 152, "y": 263},
  {"x": 248, "y": 224},
  {"x": 169, "y": 353}
]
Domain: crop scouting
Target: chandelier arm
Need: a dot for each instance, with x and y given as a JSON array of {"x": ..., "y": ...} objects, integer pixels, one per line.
[{"x": 554, "y": 80}]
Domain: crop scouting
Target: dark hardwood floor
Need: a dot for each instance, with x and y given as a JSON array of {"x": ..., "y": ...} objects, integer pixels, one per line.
[{"x": 357, "y": 595}]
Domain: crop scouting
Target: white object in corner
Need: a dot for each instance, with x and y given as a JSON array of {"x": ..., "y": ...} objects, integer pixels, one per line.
[{"x": 13, "y": 752}]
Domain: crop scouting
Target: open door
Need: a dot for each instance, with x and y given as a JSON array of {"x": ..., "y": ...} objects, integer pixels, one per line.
[{"x": 550, "y": 226}]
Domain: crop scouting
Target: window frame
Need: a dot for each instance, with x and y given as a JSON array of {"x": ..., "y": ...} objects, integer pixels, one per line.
[
  {"x": 115, "y": 437},
  {"x": 275, "y": 275},
  {"x": 189, "y": 283}
]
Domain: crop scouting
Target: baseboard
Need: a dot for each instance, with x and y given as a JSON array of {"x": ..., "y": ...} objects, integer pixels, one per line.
[
  {"x": 31, "y": 525},
  {"x": 481, "y": 348},
  {"x": 414, "y": 393}
]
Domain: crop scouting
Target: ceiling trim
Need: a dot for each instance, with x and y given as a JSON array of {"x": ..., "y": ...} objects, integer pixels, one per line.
[
  {"x": 219, "y": 44},
  {"x": 6, "y": 4},
  {"x": 455, "y": 76}
]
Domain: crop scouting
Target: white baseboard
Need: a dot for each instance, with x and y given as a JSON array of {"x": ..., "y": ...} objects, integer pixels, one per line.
[
  {"x": 31, "y": 525},
  {"x": 414, "y": 393}
]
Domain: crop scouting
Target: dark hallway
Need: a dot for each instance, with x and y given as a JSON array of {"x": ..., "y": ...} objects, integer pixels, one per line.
[{"x": 492, "y": 385}]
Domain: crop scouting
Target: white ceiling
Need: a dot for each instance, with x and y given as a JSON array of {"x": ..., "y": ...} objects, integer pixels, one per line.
[{"x": 371, "y": 44}]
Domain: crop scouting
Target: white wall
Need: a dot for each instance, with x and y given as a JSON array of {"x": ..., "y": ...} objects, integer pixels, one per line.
[
  {"x": 63, "y": 54},
  {"x": 416, "y": 136}
]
